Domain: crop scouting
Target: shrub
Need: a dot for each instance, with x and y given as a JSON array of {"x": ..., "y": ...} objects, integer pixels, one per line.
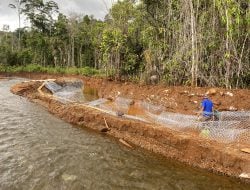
[{"x": 87, "y": 71}]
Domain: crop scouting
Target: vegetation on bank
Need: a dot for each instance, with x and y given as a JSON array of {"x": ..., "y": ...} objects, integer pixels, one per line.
[
  {"x": 34, "y": 68},
  {"x": 190, "y": 42}
]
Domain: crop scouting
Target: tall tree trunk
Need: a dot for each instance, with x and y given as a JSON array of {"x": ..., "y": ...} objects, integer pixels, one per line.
[
  {"x": 227, "y": 57},
  {"x": 73, "y": 51},
  {"x": 80, "y": 56},
  {"x": 19, "y": 23},
  {"x": 193, "y": 39},
  {"x": 61, "y": 56},
  {"x": 240, "y": 61},
  {"x": 69, "y": 56},
  {"x": 95, "y": 58}
]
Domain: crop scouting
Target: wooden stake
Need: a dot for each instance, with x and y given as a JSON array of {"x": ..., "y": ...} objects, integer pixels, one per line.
[
  {"x": 106, "y": 123},
  {"x": 125, "y": 143}
]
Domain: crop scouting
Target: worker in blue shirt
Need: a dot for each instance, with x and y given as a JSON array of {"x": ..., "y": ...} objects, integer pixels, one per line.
[{"x": 206, "y": 109}]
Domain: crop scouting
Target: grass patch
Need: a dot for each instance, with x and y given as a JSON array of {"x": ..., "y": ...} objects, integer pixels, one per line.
[{"x": 35, "y": 68}]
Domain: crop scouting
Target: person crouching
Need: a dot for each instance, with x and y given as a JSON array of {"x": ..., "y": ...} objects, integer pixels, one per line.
[{"x": 206, "y": 109}]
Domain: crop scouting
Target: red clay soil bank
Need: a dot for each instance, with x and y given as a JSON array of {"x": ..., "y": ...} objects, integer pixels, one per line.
[
  {"x": 178, "y": 99},
  {"x": 187, "y": 148}
]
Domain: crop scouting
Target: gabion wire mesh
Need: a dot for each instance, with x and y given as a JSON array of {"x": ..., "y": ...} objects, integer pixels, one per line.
[
  {"x": 151, "y": 108},
  {"x": 178, "y": 120},
  {"x": 122, "y": 103},
  {"x": 52, "y": 86},
  {"x": 97, "y": 102},
  {"x": 234, "y": 129},
  {"x": 70, "y": 91},
  {"x": 229, "y": 126},
  {"x": 234, "y": 115}
]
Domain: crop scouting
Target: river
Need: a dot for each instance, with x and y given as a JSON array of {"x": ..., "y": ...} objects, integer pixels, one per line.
[{"x": 40, "y": 151}]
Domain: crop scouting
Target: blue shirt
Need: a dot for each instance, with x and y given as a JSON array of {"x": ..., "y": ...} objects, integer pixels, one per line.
[{"x": 207, "y": 106}]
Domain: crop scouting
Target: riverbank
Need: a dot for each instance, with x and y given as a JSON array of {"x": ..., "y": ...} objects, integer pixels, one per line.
[
  {"x": 178, "y": 99},
  {"x": 188, "y": 148}
]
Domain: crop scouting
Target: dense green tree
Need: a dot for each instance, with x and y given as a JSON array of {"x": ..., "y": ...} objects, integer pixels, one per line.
[{"x": 181, "y": 42}]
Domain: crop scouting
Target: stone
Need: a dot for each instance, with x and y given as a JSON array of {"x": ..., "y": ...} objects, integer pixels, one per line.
[
  {"x": 211, "y": 91},
  {"x": 132, "y": 103},
  {"x": 184, "y": 92},
  {"x": 67, "y": 177},
  {"x": 246, "y": 150},
  {"x": 245, "y": 175},
  {"x": 110, "y": 98},
  {"x": 190, "y": 95},
  {"x": 229, "y": 94},
  {"x": 120, "y": 113},
  {"x": 154, "y": 79},
  {"x": 232, "y": 108}
]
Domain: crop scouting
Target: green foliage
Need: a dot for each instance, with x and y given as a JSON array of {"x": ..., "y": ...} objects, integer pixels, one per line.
[
  {"x": 40, "y": 14},
  {"x": 88, "y": 71},
  {"x": 180, "y": 41},
  {"x": 31, "y": 68},
  {"x": 112, "y": 45}
]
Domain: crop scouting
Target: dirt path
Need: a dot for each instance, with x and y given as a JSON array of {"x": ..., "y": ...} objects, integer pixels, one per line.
[{"x": 185, "y": 147}]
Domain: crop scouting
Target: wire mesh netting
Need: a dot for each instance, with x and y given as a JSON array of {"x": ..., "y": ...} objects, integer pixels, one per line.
[
  {"x": 122, "y": 103},
  {"x": 97, "y": 102},
  {"x": 151, "y": 108},
  {"x": 70, "y": 91},
  {"x": 228, "y": 127},
  {"x": 52, "y": 86},
  {"x": 234, "y": 115}
]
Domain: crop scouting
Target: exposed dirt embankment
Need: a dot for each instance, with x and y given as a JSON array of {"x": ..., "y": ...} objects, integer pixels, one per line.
[
  {"x": 178, "y": 99},
  {"x": 186, "y": 148}
]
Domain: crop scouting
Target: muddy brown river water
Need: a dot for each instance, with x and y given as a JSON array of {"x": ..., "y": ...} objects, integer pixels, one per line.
[{"x": 39, "y": 151}]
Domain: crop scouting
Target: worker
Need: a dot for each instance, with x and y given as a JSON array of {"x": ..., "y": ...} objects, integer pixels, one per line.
[{"x": 206, "y": 109}]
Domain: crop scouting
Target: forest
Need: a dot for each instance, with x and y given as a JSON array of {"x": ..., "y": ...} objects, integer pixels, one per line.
[{"x": 174, "y": 42}]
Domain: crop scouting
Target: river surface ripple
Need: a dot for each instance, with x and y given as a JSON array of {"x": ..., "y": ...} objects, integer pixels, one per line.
[{"x": 39, "y": 151}]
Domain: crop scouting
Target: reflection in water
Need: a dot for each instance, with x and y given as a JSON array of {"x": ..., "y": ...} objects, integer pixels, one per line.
[
  {"x": 90, "y": 93},
  {"x": 39, "y": 151}
]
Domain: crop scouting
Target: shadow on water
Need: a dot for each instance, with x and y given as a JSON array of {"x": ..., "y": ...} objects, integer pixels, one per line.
[{"x": 39, "y": 151}]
